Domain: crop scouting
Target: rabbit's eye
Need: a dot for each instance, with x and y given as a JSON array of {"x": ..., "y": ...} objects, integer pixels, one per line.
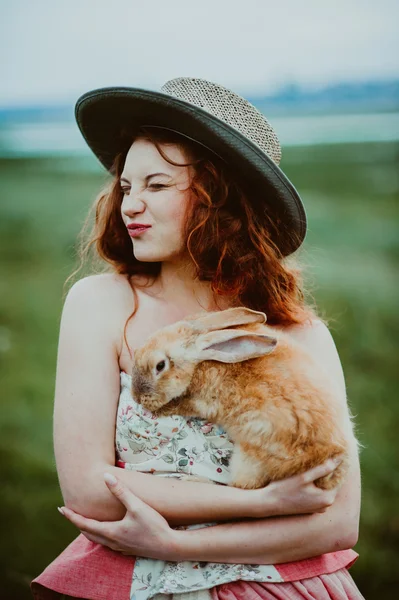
[{"x": 160, "y": 366}]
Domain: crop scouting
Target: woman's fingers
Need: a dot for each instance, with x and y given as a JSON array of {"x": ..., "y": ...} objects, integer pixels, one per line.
[
  {"x": 98, "y": 539},
  {"x": 106, "y": 529},
  {"x": 124, "y": 494},
  {"x": 83, "y": 523},
  {"x": 141, "y": 532},
  {"x": 95, "y": 531},
  {"x": 321, "y": 470}
]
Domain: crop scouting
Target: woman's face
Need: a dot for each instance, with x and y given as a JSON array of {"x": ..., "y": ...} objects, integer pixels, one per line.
[{"x": 156, "y": 193}]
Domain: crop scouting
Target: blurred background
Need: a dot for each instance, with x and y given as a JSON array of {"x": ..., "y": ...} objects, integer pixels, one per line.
[{"x": 327, "y": 77}]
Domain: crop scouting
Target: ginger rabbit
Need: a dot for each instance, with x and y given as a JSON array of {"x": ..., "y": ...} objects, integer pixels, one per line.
[{"x": 276, "y": 404}]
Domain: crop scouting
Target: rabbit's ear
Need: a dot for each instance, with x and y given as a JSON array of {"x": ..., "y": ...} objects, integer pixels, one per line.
[
  {"x": 233, "y": 345},
  {"x": 240, "y": 315}
]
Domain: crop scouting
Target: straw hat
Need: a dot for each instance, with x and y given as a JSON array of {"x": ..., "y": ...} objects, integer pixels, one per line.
[{"x": 214, "y": 116}]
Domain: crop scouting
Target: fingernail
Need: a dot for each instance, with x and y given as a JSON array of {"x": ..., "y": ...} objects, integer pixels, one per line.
[
  {"x": 110, "y": 479},
  {"x": 337, "y": 460},
  {"x": 61, "y": 511}
]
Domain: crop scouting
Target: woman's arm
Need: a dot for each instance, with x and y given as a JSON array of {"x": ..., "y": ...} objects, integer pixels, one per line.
[
  {"x": 293, "y": 495},
  {"x": 279, "y": 539},
  {"x": 144, "y": 532}
]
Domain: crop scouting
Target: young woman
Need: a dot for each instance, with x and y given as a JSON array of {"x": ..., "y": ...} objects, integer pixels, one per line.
[{"x": 198, "y": 216}]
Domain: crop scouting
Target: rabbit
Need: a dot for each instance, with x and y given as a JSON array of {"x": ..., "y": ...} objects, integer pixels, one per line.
[{"x": 274, "y": 401}]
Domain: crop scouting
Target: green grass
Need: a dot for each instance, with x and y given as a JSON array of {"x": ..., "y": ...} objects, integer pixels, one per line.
[{"x": 352, "y": 252}]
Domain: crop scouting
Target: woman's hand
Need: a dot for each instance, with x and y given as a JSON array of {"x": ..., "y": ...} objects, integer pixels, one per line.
[
  {"x": 296, "y": 495},
  {"x": 141, "y": 532}
]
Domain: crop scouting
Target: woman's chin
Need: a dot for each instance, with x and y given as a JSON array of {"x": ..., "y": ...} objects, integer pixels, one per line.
[{"x": 147, "y": 257}]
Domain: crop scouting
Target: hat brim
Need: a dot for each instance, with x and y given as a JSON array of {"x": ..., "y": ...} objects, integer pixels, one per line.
[{"x": 102, "y": 114}]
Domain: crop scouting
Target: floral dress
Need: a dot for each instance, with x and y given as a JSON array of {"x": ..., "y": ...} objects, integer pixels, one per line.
[{"x": 170, "y": 447}]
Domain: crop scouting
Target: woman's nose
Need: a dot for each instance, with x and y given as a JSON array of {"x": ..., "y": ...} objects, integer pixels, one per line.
[{"x": 132, "y": 203}]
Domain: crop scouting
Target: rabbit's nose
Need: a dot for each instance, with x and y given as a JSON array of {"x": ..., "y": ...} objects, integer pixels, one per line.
[{"x": 140, "y": 386}]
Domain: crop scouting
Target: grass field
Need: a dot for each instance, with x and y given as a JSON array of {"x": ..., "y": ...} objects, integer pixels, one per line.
[{"x": 352, "y": 250}]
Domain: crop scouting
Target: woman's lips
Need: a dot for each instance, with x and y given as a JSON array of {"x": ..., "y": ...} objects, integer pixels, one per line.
[{"x": 134, "y": 232}]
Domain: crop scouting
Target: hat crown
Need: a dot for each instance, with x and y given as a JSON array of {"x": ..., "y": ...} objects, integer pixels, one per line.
[{"x": 229, "y": 107}]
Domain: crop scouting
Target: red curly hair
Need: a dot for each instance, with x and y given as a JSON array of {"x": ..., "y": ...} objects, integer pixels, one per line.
[{"x": 228, "y": 243}]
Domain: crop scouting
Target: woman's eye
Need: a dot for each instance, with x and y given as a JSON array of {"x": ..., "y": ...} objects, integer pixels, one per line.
[{"x": 153, "y": 186}]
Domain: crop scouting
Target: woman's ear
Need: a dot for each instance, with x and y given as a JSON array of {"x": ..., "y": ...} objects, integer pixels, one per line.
[{"x": 233, "y": 345}]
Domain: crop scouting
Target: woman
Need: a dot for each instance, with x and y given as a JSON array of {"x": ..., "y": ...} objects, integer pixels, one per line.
[{"x": 198, "y": 216}]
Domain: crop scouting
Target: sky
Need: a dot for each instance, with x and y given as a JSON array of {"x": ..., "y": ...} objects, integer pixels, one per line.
[{"x": 52, "y": 51}]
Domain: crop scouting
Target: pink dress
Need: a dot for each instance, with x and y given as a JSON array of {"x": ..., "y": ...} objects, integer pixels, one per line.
[{"x": 167, "y": 447}]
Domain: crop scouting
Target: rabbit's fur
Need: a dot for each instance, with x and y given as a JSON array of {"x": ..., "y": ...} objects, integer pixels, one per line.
[{"x": 276, "y": 404}]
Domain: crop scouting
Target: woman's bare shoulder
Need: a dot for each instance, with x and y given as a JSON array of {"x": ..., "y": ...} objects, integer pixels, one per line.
[
  {"x": 317, "y": 339},
  {"x": 98, "y": 296},
  {"x": 308, "y": 331},
  {"x": 107, "y": 285},
  {"x": 101, "y": 292}
]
